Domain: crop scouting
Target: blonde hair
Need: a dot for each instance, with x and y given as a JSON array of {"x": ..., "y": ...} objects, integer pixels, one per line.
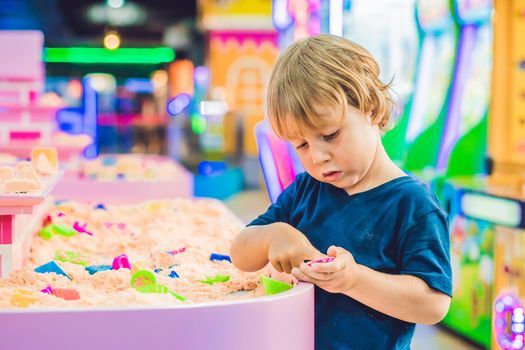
[{"x": 324, "y": 70}]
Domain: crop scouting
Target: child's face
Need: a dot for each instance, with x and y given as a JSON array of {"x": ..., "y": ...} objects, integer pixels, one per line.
[{"x": 339, "y": 154}]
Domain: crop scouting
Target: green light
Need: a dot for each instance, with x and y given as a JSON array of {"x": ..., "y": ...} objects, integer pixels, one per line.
[
  {"x": 100, "y": 55},
  {"x": 198, "y": 124}
]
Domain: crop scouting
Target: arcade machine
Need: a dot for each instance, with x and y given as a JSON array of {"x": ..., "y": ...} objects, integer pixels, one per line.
[
  {"x": 386, "y": 28},
  {"x": 414, "y": 142},
  {"x": 463, "y": 146},
  {"x": 487, "y": 218},
  {"x": 506, "y": 148},
  {"x": 462, "y": 152}
]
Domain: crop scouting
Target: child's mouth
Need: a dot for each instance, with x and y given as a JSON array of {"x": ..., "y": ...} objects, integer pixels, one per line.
[{"x": 331, "y": 175}]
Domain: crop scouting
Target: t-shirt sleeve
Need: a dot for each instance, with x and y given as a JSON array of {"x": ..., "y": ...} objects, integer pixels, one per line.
[
  {"x": 280, "y": 210},
  {"x": 425, "y": 251}
]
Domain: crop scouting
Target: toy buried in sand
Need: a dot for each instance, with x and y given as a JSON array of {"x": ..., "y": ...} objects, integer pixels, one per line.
[
  {"x": 145, "y": 282},
  {"x": 51, "y": 267},
  {"x": 216, "y": 279}
]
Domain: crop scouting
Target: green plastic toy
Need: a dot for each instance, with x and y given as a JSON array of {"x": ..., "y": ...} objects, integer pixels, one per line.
[
  {"x": 63, "y": 230},
  {"x": 144, "y": 281},
  {"x": 272, "y": 286},
  {"x": 142, "y": 278},
  {"x": 216, "y": 279},
  {"x": 48, "y": 231},
  {"x": 72, "y": 257}
]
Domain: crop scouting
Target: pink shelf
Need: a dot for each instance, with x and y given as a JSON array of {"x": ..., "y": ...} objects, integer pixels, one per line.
[
  {"x": 22, "y": 149},
  {"x": 20, "y": 216}
]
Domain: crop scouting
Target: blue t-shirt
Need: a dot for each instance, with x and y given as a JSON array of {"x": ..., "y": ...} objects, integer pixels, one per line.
[{"x": 396, "y": 228}]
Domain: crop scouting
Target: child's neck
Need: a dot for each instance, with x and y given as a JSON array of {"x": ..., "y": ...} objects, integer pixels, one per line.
[{"x": 382, "y": 170}]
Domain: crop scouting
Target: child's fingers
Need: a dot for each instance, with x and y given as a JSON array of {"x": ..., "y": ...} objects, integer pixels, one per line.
[
  {"x": 332, "y": 251},
  {"x": 336, "y": 251},
  {"x": 330, "y": 267},
  {"x": 301, "y": 276},
  {"x": 287, "y": 266},
  {"x": 277, "y": 265},
  {"x": 310, "y": 272}
]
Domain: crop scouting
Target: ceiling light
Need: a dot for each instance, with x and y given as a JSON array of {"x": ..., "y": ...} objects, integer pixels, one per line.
[
  {"x": 111, "y": 40},
  {"x": 115, "y": 3}
]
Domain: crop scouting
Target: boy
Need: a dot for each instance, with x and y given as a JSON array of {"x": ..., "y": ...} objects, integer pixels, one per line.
[{"x": 386, "y": 231}]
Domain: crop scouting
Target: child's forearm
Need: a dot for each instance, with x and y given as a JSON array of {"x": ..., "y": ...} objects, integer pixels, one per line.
[
  {"x": 405, "y": 297},
  {"x": 249, "y": 250}
]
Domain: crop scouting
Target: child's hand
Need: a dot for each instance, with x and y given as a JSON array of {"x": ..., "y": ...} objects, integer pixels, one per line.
[
  {"x": 288, "y": 248},
  {"x": 337, "y": 276}
]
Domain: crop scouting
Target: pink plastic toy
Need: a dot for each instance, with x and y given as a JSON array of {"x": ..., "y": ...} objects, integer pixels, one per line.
[
  {"x": 321, "y": 261},
  {"x": 120, "y": 225},
  {"x": 176, "y": 251},
  {"x": 81, "y": 228},
  {"x": 47, "y": 290},
  {"x": 66, "y": 293},
  {"x": 121, "y": 262}
]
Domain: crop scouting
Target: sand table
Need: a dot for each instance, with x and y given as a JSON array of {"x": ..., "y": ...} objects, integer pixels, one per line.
[
  {"x": 169, "y": 238},
  {"x": 130, "y": 167}
]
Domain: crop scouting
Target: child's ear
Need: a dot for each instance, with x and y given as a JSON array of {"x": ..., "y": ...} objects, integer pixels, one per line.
[{"x": 374, "y": 118}]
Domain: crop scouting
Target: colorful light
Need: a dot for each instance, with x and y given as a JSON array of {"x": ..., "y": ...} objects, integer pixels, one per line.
[
  {"x": 281, "y": 17},
  {"x": 201, "y": 75},
  {"x": 159, "y": 79},
  {"x": 178, "y": 104},
  {"x": 207, "y": 167},
  {"x": 111, "y": 40},
  {"x": 505, "y": 304},
  {"x": 181, "y": 77},
  {"x": 336, "y": 17},
  {"x": 493, "y": 209},
  {"x": 198, "y": 124},
  {"x": 115, "y": 3},
  {"x": 103, "y": 82},
  {"x": 140, "y": 85},
  {"x": 102, "y": 55},
  {"x": 213, "y": 108}
]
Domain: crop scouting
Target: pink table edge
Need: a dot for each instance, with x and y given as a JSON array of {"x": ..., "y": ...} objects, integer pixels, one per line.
[{"x": 282, "y": 321}]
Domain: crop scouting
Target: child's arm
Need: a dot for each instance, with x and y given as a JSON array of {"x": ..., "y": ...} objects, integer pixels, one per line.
[
  {"x": 405, "y": 297},
  {"x": 281, "y": 244}
]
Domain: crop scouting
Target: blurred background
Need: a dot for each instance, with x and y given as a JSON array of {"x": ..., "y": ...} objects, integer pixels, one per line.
[{"x": 172, "y": 92}]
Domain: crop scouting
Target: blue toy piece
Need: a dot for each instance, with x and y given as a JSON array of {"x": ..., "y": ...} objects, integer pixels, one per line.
[
  {"x": 219, "y": 257},
  {"x": 100, "y": 206},
  {"x": 51, "y": 267},
  {"x": 109, "y": 161},
  {"x": 93, "y": 269}
]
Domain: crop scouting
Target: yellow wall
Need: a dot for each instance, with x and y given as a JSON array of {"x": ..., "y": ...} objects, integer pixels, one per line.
[
  {"x": 240, "y": 68},
  {"x": 507, "y": 120}
]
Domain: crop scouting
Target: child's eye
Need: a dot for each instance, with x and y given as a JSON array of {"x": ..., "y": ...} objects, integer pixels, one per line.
[
  {"x": 302, "y": 146},
  {"x": 331, "y": 136}
]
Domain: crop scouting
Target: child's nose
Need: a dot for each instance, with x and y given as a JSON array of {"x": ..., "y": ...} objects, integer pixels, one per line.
[{"x": 320, "y": 156}]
